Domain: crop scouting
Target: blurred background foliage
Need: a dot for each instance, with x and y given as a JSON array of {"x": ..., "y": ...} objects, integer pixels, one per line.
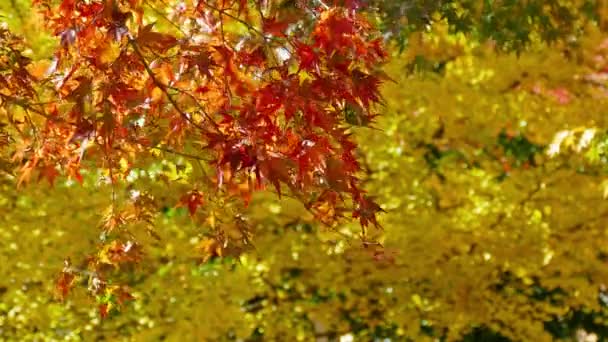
[{"x": 490, "y": 159}]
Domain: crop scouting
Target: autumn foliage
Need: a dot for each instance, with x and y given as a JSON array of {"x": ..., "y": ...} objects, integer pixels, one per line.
[
  {"x": 219, "y": 170},
  {"x": 260, "y": 95}
]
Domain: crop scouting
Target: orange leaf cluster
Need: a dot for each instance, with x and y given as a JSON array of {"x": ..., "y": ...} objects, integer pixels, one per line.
[{"x": 268, "y": 102}]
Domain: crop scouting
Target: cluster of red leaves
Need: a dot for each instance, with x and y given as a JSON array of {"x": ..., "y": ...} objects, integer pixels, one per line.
[
  {"x": 192, "y": 200},
  {"x": 15, "y": 79},
  {"x": 65, "y": 282},
  {"x": 270, "y": 100},
  {"x": 270, "y": 103}
]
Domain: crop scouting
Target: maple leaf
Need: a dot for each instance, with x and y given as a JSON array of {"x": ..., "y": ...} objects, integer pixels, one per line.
[
  {"x": 40, "y": 69},
  {"x": 64, "y": 283},
  {"x": 192, "y": 200},
  {"x": 333, "y": 30},
  {"x": 335, "y": 176},
  {"x": 117, "y": 252},
  {"x": 254, "y": 57},
  {"x": 124, "y": 296},
  {"x": 104, "y": 310},
  {"x": 155, "y": 40},
  {"x": 309, "y": 60},
  {"x": 275, "y": 27},
  {"x": 275, "y": 171},
  {"x": 325, "y": 207},
  {"x": 25, "y": 173},
  {"x": 203, "y": 60},
  {"x": 48, "y": 172},
  {"x": 83, "y": 89},
  {"x": 366, "y": 211},
  {"x": 365, "y": 87}
]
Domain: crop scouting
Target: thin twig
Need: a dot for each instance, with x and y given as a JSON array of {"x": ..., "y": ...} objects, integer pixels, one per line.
[{"x": 163, "y": 88}]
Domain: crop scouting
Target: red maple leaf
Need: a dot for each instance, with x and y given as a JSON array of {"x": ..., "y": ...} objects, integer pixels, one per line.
[
  {"x": 192, "y": 200},
  {"x": 275, "y": 27},
  {"x": 64, "y": 284},
  {"x": 103, "y": 310}
]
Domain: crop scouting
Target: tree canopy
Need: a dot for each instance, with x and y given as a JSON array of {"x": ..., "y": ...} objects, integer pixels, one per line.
[{"x": 301, "y": 170}]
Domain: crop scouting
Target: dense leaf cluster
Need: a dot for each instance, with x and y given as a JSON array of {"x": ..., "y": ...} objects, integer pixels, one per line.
[{"x": 191, "y": 164}]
